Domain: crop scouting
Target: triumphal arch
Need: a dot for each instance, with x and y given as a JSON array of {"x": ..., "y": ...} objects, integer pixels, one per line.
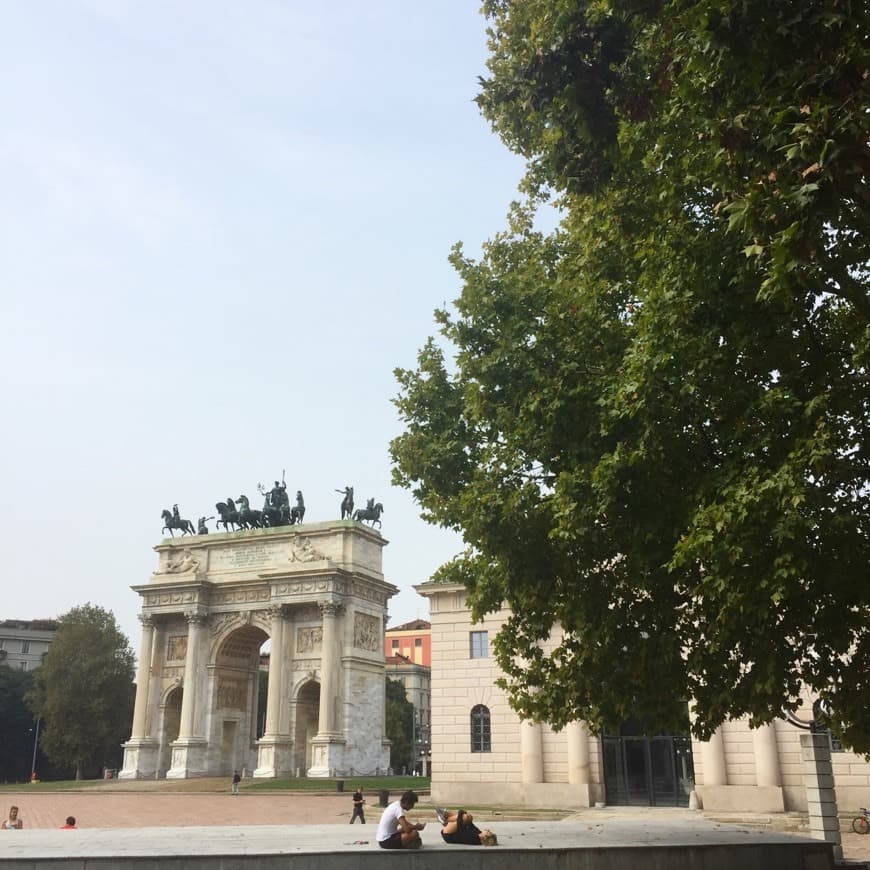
[{"x": 318, "y": 595}]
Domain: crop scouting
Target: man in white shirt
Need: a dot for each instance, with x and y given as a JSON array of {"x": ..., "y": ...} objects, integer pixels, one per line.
[{"x": 394, "y": 829}]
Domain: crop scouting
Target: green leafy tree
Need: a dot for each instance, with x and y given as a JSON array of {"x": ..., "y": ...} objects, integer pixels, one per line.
[
  {"x": 84, "y": 691},
  {"x": 399, "y": 723},
  {"x": 653, "y": 431},
  {"x": 16, "y": 725}
]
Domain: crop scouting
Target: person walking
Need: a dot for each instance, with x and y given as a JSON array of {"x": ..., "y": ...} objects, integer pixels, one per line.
[
  {"x": 236, "y": 780},
  {"x": 359, "y": 802}
]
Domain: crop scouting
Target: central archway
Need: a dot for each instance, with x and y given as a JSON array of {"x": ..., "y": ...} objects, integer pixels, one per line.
[{"x": 235, "y": 684}]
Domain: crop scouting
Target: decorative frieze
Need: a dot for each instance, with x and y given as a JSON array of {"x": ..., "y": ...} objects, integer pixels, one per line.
[
  {"x": 242, "y": 596},
  {"x": 158, "y": 599},
  {"x": 311, "y": 586}
]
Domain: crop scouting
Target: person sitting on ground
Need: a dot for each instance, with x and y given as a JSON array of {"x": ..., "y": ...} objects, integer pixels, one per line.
[
  {"x": 13, "y": 823},
  {"x": 394, "y": 830},
  {"x": 459, "y": 828},
  {"x": 70, "y": 823}
]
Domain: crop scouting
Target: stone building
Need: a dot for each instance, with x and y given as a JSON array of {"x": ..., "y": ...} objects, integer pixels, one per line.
[
  {"x": 24, "y": 642},
  {"x": 483, "y": 754},
  {"x": 318, "y": 595}
]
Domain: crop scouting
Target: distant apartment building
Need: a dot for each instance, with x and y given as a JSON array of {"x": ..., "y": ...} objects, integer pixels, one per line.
[
  {"x": 408, "y": 654},
  {"x": 413, "y": 640},
  {"x": 24, "y": 643}
]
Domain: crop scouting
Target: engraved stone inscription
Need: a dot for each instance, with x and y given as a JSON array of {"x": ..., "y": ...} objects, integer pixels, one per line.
[
  {"x": 366, "y": 632},
  {"x": 253, "y": 555}
]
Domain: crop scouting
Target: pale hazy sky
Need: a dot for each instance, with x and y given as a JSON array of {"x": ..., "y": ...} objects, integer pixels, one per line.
[{"x": 222, "y": 225}]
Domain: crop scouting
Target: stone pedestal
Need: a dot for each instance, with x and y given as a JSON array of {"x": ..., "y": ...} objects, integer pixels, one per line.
[
  {"x": 327, "y": 755},
  {"x": 140, "y": 759},
  {"x": 188, "y": 758},
  {"x": 274, "y": 757},
  {"x": 821, "y": 797}
]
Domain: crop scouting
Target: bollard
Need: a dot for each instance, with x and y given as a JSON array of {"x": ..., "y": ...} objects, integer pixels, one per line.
[
  {"x": 339, "y": 785},
  {"x": 384, "y": 797}
]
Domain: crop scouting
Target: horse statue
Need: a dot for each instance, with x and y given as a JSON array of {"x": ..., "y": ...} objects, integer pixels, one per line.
[
  {"x": 371, "y": 512},
  {"x": 229, "y": 515},
  {"x": 171, "y": 522},
  {"x": 249, "y": 519},
  {"x": 346, "y": 502},
  {"x": 297, "y": 512}
]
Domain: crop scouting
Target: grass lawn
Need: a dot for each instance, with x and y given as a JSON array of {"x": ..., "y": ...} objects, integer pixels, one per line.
[{"x": 371, "y": 784}]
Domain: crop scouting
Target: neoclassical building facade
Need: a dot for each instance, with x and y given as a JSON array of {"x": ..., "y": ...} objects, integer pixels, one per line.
[
  {"x": 483, "y": 754},
  {"x": 317, "y": 594}
]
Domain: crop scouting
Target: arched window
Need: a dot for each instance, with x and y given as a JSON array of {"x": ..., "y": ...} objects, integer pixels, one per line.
[{"x": 480, "y": 730}]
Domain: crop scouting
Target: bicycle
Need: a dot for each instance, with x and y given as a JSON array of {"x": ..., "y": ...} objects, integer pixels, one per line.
[{"x": 861, "y": 825}]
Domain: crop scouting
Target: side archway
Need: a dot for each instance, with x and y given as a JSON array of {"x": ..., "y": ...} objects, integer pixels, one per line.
[{"x": 307, "y": 722}]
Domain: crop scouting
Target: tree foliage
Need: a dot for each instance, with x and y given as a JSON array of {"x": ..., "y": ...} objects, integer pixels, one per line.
[
  {"x": 18, "y": 732},
  {"x": 653, "y": 431},
  {"x": 16, "y": 725},
  {"x": 84, "y": 690},
  {"x": 399, "y": 725}
]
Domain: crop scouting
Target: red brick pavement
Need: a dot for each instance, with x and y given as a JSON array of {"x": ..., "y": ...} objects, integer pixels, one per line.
[{"x": 105, "y": 809}]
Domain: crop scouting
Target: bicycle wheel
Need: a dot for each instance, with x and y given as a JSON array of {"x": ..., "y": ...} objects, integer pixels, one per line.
[{"x": 860, "y": 825}]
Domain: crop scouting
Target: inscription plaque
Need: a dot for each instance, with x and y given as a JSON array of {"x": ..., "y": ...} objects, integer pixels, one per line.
[{"x": 253, "y": 555}]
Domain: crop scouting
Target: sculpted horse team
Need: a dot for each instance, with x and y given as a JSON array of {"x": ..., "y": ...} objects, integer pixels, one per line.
[{"x": 277, "y": 511}]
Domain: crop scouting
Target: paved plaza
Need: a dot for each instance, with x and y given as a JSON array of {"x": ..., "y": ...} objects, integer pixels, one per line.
[{"x": 284, "y": 823}]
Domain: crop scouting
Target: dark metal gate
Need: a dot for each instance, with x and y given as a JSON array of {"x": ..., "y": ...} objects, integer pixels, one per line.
[{"x": 648, "y": 771}]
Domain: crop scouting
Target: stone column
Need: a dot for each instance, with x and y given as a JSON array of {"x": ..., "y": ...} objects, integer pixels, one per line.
[
  {"x": 276, "y": 674},
  {"x": 330, "y": 654},
  {"x": 578, "y": 753},
  {"x": 143, "y": 678},
  {"x": 713, "y": 760},
  {"x": 195, "y": 621},
  {"x": 531, "y": 747},
  {"x": 140, "y": 751},
  {"x": 821, "y": 796},
  {"x": 327, "y": 747},
  {"x": 767, "y": 770}
]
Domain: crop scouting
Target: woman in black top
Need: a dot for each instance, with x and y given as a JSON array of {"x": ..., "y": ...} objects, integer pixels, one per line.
[{"x": 459, "y": 828}]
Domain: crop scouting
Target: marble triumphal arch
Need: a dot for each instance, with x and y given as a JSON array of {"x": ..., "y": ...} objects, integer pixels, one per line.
[{"x": 318, "y": 595}]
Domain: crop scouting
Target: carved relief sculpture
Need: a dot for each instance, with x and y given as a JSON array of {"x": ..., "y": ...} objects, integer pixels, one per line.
[
  {"x": 309, "y": 639},
  {"x": 366, "y": 632},
  {"x": 181, "y": 564},
  {"x": 302, "y": 551},
  {"x": 176, "y": 648}
]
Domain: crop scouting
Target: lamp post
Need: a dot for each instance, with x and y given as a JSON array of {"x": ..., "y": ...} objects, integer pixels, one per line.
[{"x": 35, "y": 742}]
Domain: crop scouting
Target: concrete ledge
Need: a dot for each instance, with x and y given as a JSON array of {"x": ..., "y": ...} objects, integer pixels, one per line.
[
  {"x": 622, "y": 845},
  {"x": 741, "y": 798}
]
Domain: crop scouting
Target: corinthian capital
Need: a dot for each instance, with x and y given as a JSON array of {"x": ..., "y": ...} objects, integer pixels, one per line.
[{"x": 330, "y": 608}]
